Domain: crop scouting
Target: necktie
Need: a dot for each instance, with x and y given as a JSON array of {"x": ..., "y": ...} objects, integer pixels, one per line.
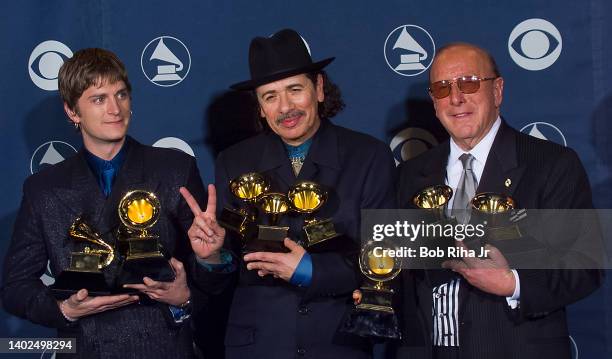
[
  {"x": 107, "y": 178},
  {"x": 466, "y": 190}
]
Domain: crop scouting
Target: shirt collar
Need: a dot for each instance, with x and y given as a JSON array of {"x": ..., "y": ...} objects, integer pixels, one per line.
[
  {"x": 299, "y": 151},
  {"x": 98, "y": 165},
  {"x": 480, "y": 151}
]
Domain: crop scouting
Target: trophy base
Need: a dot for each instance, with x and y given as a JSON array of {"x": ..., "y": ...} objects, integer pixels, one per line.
[
  {"x": 69, "y": 282},
  {"x": 233, "y": 220},
  {"x": 374, "y": 317},
  {"x": 503, "y": 233},
  {"x": 318, "y": 232},
  {"x": 134, "y": 270},
  {"x": 269, "y": 239},
  {"x": 376, "y": 299},
  {"x": 371, "y": 324}
]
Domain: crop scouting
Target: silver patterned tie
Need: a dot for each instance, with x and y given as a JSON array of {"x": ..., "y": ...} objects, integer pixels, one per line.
[{"x": 466, "y": 190}]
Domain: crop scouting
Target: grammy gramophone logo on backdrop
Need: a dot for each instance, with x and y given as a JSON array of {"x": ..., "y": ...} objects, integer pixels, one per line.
[
  {"x": 50, "y": 153},
  {"x": 409, "y": 50},
  {"x": 165, "y": 61},
  {"x": 545, "y": 131}
]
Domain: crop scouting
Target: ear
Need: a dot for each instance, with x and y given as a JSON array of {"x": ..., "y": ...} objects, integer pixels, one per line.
[
  {"x": 320, "y": 93},
  {"x": 433, "y": 100},
  {"x": 72, "y": 114},
  {"x": 498, "y": 91},
  {"x": 261, "y": 112}
]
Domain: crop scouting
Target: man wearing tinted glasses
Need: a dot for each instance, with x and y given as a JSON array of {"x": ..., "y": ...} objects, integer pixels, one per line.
[{"x": 482, "y": 308}]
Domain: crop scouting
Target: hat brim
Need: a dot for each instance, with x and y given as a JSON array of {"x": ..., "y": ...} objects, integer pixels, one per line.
[{"x": 254, "y": 83}]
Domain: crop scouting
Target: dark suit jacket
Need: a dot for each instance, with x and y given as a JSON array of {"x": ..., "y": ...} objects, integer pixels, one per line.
[
  {"x": 52, "y": 199},
  {"x": 543, "y": 175},
  {"x": 271, "y": 318}
]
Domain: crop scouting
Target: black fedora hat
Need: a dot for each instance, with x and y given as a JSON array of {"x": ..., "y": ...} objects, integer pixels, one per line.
[{"x": 279, "y": 56}]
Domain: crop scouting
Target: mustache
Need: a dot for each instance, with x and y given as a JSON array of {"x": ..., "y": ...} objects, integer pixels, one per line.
[{"x": 292, "y": 113}]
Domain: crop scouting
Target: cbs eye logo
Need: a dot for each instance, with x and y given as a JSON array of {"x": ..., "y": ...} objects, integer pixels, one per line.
[
  {"x": 45, "y": 62},
  {"x": 535, "y": 44}
]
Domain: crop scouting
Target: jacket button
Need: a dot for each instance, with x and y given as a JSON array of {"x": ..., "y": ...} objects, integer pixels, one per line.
[
  {"x": 301, "y": 351},
  {"x": 303, "y": 310}
]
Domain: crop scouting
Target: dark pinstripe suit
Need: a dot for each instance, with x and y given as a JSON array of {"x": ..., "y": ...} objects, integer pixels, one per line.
[{"x": 543, "y": 176}]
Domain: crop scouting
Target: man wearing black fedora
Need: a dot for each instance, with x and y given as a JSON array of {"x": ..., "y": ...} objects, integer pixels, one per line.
[{"x": 291, "y": 304}]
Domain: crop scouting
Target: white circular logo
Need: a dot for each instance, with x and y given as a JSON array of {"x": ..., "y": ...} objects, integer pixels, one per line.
[
  {"x": 409, "y": 50},
  {"x": 545, "y": 131},
  {"x": 165, "y": 61},
  {"x": 50, "y": 153},
  {"x": 45, "y": 62},
  {"x": 535, "y": 44},
  {"x": 411, "y": 142},
  {"x": 174, "y": 143}
]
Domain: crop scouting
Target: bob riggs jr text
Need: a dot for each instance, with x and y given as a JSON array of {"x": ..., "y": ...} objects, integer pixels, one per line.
[{"x": 425, "y": 252}]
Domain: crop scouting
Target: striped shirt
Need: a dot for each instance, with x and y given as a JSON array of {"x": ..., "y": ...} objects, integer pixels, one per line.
[{"x": 445, "y": 313}]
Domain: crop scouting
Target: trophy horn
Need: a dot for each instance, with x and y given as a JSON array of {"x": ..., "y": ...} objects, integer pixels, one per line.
[
  {"x": 433, "y": 197},
  {"x": 248, "y": 187},
  {"x": 493, "y": 203},
  {"x": 81, "y": 231},
  {"x": 274, "y": 204},
  {"x": 307, "y": 196}
]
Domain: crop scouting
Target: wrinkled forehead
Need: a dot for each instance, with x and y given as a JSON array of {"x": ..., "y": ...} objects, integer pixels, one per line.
[
  {"x": 300, "y": 79},
  {"x": 460, "y": 61}
]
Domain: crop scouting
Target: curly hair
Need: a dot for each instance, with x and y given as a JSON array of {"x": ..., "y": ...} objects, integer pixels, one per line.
[{"x": 332, "y": 104}]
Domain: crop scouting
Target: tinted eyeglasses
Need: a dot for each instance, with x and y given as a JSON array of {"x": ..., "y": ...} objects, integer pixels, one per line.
[{"x": 466, "y": 84}]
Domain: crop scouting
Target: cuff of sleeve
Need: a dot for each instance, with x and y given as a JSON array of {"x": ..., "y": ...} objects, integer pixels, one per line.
[
  {"x": 180, "y": 314},
  {"x": 303, "y": 272},
  {"x": 513, "y": 301},
  {"x": 226, "y": 264}
]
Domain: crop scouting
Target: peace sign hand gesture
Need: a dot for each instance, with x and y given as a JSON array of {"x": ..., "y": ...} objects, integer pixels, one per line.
[{"x": 205, "y": 234}]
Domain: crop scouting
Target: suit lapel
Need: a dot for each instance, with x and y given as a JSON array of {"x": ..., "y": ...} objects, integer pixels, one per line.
[
  {"x": 502, "y": 172},
  {"x": 434, "y": 171},
  {"x": 322, "y": 163},
  {"x": 323, "y": 154},
  {"x": 131, "y": 176},
  {"x": 81, "y": 194},
  {"x": 274, "y": 159}
]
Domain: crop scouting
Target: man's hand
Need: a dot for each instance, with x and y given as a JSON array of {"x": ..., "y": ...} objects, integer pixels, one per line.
[
  {"x": 357, "y": 296},
  {"x": 280, "y": 265},
  {"x": 205, "y": 234},
  {"x": 81, "y": 304},
  {"x": 492, "y": 275},
  {"x": 174, "y": 293}
]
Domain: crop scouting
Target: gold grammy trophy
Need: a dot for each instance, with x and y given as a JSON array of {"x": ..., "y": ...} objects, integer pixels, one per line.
[
  {"x": 270, "y": 237},
  {"x": 307, "y": 197},
  {"x": 433, "y": 203},
  {"x": 139, "y": 210},
  {"x": 434, "y": 199},
  {"x": 374, "y": 315},
  {"x": 85, "y": 266},
  {"x": 495, "y": 210},
  {"x": 247, "y": 188}
]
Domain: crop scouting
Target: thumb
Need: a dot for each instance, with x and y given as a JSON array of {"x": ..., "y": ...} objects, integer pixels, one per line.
[
  {"x": 496, "y": 256},
  {"x": 80, "y": 296},
  {"x": 291, "y": 245},
  {"x": 178, "y": 266}
]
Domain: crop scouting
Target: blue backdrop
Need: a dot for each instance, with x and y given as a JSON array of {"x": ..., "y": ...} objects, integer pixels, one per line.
[{"x": 182, "y": 56}]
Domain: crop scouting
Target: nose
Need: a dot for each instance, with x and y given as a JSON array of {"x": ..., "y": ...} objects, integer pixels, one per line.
[
  {"x": 456, "y": 96},
  {"x": 113, "y": 107},
  {"x": 285, "y": 102}
]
